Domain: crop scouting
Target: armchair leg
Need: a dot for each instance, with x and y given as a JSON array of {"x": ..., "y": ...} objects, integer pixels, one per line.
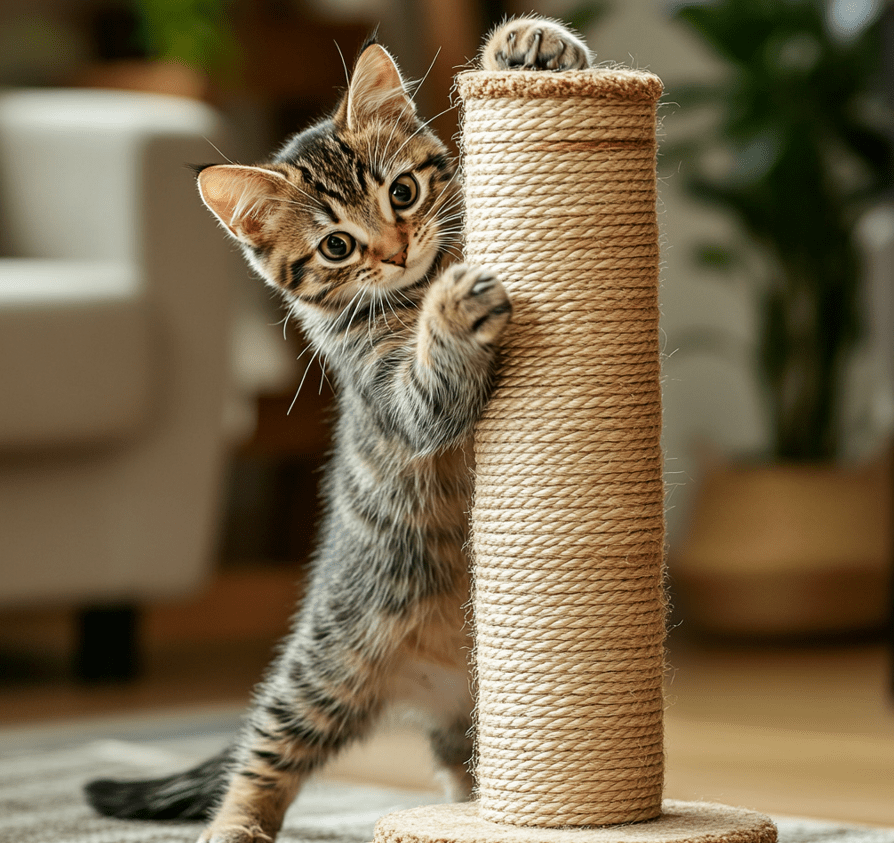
[{"x": 108, "y": 646}]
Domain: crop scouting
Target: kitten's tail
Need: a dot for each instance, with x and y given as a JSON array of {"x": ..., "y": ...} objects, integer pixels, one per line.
[{"x": 192, "y": 795}]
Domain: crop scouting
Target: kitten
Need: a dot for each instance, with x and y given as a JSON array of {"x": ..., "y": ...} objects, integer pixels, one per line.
[{"x": 355, "y": 221}]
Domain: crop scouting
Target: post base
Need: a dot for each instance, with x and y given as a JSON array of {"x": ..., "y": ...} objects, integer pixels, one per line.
[{"x": 680, "y": 822}]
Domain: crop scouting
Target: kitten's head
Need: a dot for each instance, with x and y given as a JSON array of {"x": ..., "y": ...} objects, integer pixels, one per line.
[{"x": 358, "y": 205}]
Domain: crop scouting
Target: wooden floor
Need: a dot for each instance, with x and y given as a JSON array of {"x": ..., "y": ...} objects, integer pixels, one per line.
[
  {"x": 799, "y": 731},
  {"x": 806, "y": 732}
]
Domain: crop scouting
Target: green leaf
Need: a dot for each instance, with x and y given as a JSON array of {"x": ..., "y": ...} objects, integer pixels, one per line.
[
  {"x": 697, "y": 95},
  {"x": 587, "y": 14},
  {"x": 715, "y": 256},
  {"x": 809, "y": 152},
  {"x": 732, "y": 29}
]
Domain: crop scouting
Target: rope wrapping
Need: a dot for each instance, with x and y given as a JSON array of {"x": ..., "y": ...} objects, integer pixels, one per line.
[{"x": 568, "y": 513}]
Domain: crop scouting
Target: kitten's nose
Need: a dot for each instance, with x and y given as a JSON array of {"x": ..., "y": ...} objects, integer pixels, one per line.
[{"x": 399, "y": 258}]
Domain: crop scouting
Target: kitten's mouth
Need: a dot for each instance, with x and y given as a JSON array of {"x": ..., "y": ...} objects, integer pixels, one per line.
[{"x": 405, "y": 275}]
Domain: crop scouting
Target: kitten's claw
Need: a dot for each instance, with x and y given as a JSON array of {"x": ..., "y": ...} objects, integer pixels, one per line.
[
  {"x": 534, "y": 43},
  {"x": 484, "y": 283}
]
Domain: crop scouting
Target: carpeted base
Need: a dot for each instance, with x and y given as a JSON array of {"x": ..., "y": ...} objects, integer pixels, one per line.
[
  {"x": 41, "y": 800},
  {"x": 680, "y": 822}
]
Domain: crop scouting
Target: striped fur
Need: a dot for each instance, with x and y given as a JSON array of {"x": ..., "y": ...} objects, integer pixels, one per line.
[
  {"x": 531, "y": 42},
  {"x": 355, "y": 221}
]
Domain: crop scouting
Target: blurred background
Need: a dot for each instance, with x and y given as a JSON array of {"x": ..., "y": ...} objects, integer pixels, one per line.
[{"x": 158, "y": 471}]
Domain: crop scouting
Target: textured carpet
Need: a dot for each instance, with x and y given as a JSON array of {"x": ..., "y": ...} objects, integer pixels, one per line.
[{"x": 41, "y": 801}]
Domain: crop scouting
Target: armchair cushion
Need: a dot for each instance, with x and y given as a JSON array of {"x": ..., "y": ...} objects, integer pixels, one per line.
[{"x": 76, "y": 346}]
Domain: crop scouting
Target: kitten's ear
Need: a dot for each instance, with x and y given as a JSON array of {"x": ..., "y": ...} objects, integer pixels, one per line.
[
  {"x": 242, "y": 198},
  {"x": 376, "y": 89}
]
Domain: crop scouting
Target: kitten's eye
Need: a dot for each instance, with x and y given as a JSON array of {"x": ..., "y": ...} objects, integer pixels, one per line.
[
  {"x": 403, "y": 191},
  {"x": 337, "y": 246}
]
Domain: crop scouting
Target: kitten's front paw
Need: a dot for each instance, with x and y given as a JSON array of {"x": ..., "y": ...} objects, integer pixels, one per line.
[
  {"x": 473, "y": 302},
  {"x": 534, "y": 43}
]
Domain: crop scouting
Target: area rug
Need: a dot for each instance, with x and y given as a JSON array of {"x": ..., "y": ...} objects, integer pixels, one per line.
[{"x": 41, "y": 799}]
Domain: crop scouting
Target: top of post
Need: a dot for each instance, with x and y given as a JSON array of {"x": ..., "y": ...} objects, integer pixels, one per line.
[{"x": 608, "y": 83}]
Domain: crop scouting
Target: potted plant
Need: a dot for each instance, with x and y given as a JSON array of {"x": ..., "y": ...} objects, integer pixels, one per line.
[
  {"x": 797, "y": 124},
  {"x": 173, "y": 47}
]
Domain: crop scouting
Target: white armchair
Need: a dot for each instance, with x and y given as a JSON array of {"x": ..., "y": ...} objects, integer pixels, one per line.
[{"x": 115, "y": 361}]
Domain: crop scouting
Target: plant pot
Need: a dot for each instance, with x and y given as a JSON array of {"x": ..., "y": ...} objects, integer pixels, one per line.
[
  {"x": 154, "y": 77},
  {"x": 787, "y": 550}
]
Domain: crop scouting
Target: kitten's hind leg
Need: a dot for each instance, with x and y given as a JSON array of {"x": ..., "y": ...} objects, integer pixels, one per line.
[
  {"x": 439, "y": 691},
  {"x": 325, "y": 691},
  {"x": 452, "y": 747}
]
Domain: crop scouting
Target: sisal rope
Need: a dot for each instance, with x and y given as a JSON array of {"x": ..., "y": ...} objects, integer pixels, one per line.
[
  {"x": 568, "y": 514},
  {"x": 568, "y": 526}
]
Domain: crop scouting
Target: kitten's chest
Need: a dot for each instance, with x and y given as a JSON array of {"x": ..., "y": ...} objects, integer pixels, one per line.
[
  {"x": 429, "y": 494},
  {"x": 433, "y": 686},
  {"x": 432, "y": 669}
]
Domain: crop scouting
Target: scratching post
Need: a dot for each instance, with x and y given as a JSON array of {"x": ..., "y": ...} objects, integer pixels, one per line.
[{"x": 568, "y": 514}]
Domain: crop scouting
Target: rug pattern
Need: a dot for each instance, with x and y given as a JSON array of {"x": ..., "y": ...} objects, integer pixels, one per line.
[{"x": 41, "y": 802}]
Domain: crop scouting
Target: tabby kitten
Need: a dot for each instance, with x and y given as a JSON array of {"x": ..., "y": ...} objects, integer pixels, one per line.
[{"x": 354, "y": 221}]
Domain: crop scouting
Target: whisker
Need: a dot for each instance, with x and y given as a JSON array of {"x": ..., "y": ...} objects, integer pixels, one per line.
[
  {"x": 329, "y": 331},
  {"x": 415, "y": 89},
  {"x": 307, "y": 348},
  {"x": 454, "y": 199},
  {"x": 343, "y": 63},
  {"x": 298, "y": 391},
  {"x": 359, "y": 298},
  {"x": 323, "y": 377},
  {"x": 369, "y": 317},
  {"x": 451, "y": 217},
  {"x": 316, "y": 199},
  {"x": 304, "y": 207},
  {"x": 284, "y": 322},
  {"x": 426, "y": 123},
  {"x": 448, "y": 201},
  {"x": 445, "y": 201},
  {"x": 217, "y": 150},
  {"x": 391, "y": 308},
  {"x": 387, "y": 165},
  {"x": 418, "y": 84}
]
